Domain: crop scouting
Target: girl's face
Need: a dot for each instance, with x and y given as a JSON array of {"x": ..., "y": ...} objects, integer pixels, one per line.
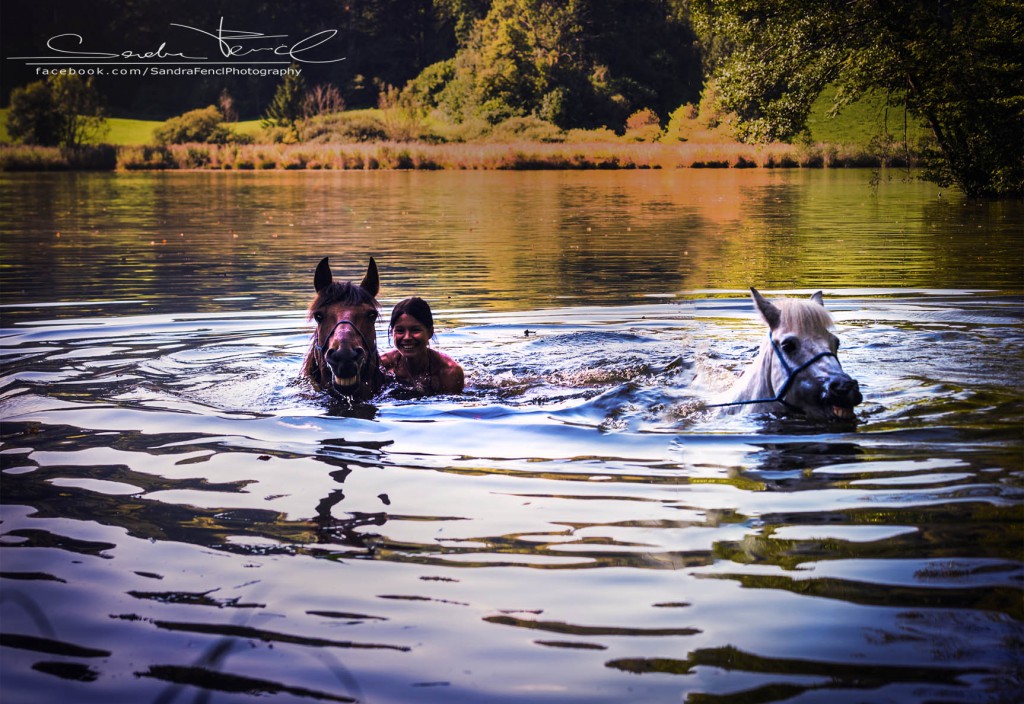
[{"x": 410, "y": 335}]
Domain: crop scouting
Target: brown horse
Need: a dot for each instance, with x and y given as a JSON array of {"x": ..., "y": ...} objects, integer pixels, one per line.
[{"x": 342, "y": 357}]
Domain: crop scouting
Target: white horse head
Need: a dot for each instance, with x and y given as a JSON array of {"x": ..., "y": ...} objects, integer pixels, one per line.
[{"x": 797, "y": 369}]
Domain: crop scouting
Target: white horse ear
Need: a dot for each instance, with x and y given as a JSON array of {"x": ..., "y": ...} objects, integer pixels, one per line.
[
  {"x": 769, "y": 312},
  {"x": 816, "y": 297}
]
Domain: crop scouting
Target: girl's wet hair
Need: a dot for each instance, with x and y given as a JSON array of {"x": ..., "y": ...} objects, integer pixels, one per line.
[{"x": 417, "y": 308}]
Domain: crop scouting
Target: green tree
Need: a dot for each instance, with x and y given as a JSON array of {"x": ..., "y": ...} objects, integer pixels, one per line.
[
  {"x": 32, "y": 118},
  {"x": 461, "y": 14},
  {"x": 286, "y": 107},
  {"x": 82, "y": 118},
  {"x": 576, "y": 63},
  {"x": 64, "y": 111},
  {"x": 956, "y": 64}
]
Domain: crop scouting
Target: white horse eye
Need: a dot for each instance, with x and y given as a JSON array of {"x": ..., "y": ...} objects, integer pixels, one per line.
[{"x": 790, "y": 345}]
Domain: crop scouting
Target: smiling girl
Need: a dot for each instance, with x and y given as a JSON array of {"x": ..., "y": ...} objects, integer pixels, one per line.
[{"x": 412, "y": 362}]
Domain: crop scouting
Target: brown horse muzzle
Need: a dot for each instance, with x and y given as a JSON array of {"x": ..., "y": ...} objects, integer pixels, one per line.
[
  {"x": 346, "y": 364},
  {"x": 345, "y": 355}
]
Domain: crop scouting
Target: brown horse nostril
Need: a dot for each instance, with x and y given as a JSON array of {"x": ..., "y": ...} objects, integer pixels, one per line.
[{"x": 340, "y": 354}]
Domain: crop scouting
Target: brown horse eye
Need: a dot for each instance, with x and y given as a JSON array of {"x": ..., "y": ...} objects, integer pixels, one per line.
[{"x": 318, "y": 317}]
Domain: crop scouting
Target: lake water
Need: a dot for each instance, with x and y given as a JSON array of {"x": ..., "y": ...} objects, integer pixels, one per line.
[{"x": 183, "y": 521}]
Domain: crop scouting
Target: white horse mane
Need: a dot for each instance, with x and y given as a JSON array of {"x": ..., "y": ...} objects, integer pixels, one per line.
[{"x": 803, "y": 317}]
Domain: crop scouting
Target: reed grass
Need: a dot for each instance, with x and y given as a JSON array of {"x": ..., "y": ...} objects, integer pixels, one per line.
[
  {"x": 490, "y": 156},
  {"x": 458, "y": 156},
  {"x": 101, "y": 157}
]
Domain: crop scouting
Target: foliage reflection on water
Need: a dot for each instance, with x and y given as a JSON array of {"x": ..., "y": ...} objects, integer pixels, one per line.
[
  {"x": 182, "y": 519},
  {"x": 491, "y": 240}
]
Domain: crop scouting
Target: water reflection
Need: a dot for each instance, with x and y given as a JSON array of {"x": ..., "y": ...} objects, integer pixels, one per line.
[{"x": 496, "y": 240}]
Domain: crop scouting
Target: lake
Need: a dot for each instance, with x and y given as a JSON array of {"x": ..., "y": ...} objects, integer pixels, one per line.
[{"x": 184, "y": 520}]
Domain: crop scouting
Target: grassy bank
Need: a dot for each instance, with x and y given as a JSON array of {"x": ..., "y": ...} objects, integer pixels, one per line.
[{"x": 844, "y": 141}]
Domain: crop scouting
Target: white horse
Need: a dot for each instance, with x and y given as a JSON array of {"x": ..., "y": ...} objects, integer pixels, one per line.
[{"x": 796, "y": 369}]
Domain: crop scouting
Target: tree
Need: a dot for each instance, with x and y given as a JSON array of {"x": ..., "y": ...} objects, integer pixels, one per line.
[
  {"x": 33, "y": 119},
  {"x": 956, "y": 64},
  {"x": 226, "y": 105},
  {"x": 80, "y": 107},
  {"x": 462, "y": 14},
  {"x": 577, "y": 63},
  {"x": 63, "y": 111},
  {"x": 286, "y": 108}
]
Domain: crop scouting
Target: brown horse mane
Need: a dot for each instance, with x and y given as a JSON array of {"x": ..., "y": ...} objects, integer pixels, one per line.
[{"x": 343, "y": 292}]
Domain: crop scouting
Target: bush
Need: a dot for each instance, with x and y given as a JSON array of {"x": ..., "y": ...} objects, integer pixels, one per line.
[
  {"x": 344, "y": 128},
  {"x": 470, "y": 130},
  {"x": 526, "y": 129},
  {"x": 323, "y": 99},
  {"x": 401, "y": 119},
  {"x": 705, "y": 123},
  {"x": 424, "y": 91},
  {"x": 601, "y": 135},
  {"x": 643, "y": 126},
  {"x": 683, "y": 124},
  {"x": 199, "y": 126},
  {"x": 271, "y": 134},
  {"x": 641, "y": 119},
  {"x": 648, "y": 133},
  {"x": 144, "y": 158}
]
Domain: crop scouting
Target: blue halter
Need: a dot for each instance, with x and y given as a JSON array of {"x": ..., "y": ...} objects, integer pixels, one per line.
[
  {"x": 791, "y": 376},
  {"x": 344, "y": 321},
  {"x": 322, "y": 348}
]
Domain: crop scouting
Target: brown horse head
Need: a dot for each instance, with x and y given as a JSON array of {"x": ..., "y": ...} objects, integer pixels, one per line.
[{"x": 342, "y": 357}]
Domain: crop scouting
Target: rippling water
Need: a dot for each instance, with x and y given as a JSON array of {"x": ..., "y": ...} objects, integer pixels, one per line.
[{"x": 184, "y": 521}]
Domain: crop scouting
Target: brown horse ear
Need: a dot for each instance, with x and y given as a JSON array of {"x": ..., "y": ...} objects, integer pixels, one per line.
[
  {"x": 371, "y": 282},
  {"x": 817, "y": 298},
  {"x": 323, "y": 277},
  {"x": 769, "y": 312}
]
